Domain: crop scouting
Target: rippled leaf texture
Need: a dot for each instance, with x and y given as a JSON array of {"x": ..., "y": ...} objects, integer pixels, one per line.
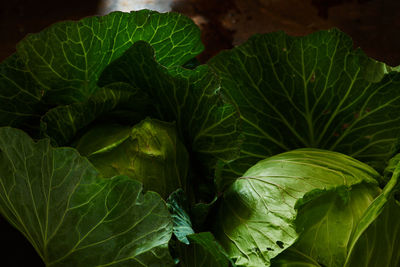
[
  {"x": 67, "y": 58},
  {"x": 256, "y": 220},
  {"x": 118, "y": 102},
  {"x": 61, "y": 64},
  {"x": 191, "y": 98},
  {"x": 376, "y": 240},
  {"x": 20, "y": 95},
  {"x": 71, "y": 216},
  {"x": 311, "y": 91},
  {"x": 203, "y": 250}
]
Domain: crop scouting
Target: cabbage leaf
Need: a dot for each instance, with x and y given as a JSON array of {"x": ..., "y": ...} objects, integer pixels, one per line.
[
  {"x": 257, "y": 217},
  {"x": 72, "y": 217},
  {"x": 310, "y": 91}
]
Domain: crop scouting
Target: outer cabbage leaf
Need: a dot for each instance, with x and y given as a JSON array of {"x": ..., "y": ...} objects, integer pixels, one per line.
[
  {"x": 203, "y": 250},
  {"x": 375, "y": 70},
  {"x": 20, "y": 95},
  {"x": 71, "y": 216},
  {"x": 310, "y": 91},
  {"x": 117, "y": 103},
  {"x": 67, "y": 58},
  {"x": 207, "y": 124},
  {"x": 256, "y": 220},
  {"x": 61, "y": 64}
]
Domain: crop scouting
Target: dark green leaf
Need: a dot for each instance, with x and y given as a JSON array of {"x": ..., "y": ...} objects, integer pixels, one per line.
[
  {"x": 311, "y": 91},
  {"x": 191, "y": 98},
  {"x": 61, "y": 64},
  {"x": 293, "y": 258},
  {"x": 201, "y": 211},
  {"x": 178, "y": 207},
  {"x": 71, "y": 216},
  {"x": 20, "y": 95},
  {"x": 63, "y": 123},
  {"x": 67, "y": 58},
  {"x": 203, "y": 250}
]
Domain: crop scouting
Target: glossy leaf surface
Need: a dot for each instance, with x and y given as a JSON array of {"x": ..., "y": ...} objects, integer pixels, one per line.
[
  {"x": 67, "y": 58},
  {"x": 71, "y": 216},
  {"x": 205, "y": 122},
  {"x": 311, "y": 91},
  {"x": 327, "y": 223},
  {"x": 257, "y": 217},
  {"x": 149, "y": 152},
  {"x": 376, "y": 240},
  {"x": 62, "y": 63}
]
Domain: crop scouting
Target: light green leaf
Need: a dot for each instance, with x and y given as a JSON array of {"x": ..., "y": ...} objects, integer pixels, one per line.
[
  {"x": 203, "y": 250},
  {"x": 327, "y": 223},
  {"x": 149, "y": 152},
  {"x": 191, "y": 98},
  {"x": 71, "y": 216},
  {"x": 376, "y": 239},
  {"x": 310, "y": 91},
  {"x": 256, "y": 220},
  {"x": 379, "y": 243}
]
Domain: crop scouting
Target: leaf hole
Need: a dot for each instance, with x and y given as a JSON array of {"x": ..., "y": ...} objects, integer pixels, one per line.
[{"x": 279, "y": 243}]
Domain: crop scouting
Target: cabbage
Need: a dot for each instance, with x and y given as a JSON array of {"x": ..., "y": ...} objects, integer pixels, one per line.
[{"x": 118, "y": 148}]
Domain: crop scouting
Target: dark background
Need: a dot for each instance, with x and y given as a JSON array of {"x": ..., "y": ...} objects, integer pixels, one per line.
[{"x": 374, "y": 26}]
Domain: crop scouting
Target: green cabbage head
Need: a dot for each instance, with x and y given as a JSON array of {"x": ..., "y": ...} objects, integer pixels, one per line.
[
  {"x": 306, "y": 199},
  {"x": 149, "y": 152}
]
